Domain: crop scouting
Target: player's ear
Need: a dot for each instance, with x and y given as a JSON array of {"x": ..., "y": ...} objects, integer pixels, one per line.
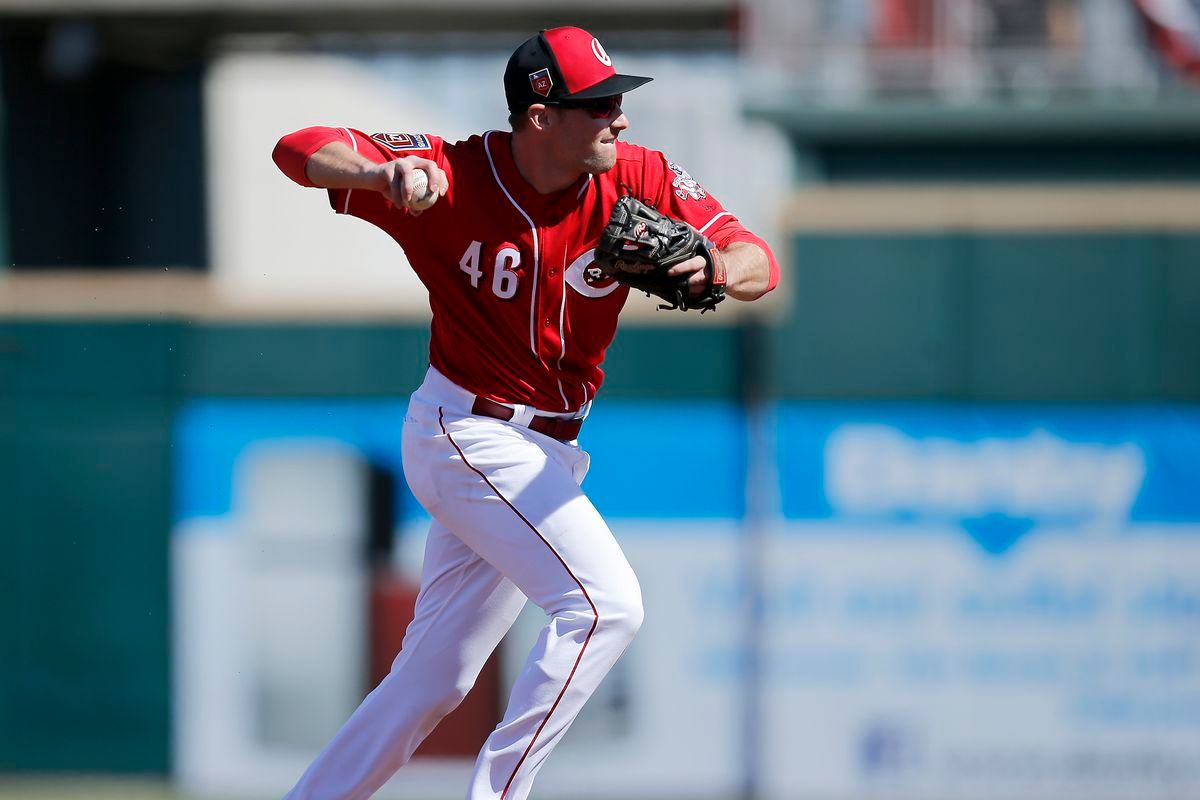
[{"x": 539, "y": 116}]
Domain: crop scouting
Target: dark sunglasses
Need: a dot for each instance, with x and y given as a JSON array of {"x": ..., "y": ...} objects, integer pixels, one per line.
[{"x": 599, "y": 108}]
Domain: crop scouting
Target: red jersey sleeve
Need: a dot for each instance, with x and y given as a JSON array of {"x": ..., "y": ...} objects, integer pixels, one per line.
[
  {"x": 292, "y": 152},
  {"x": 677, "y": 194}
]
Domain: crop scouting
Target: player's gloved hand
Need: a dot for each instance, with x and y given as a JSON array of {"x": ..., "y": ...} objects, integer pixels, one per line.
[
  {"x": 647, "y": 250},
  {"x": 396, "y": 183},
  {"x": 695, "y": 272}
]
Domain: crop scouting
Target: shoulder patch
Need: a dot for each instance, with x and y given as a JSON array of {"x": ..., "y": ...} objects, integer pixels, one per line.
[
  {"x": 685, "y": 185},
  {"x": 397, "y": 142}
]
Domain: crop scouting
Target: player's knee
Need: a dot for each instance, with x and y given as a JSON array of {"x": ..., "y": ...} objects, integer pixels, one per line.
[
  {"x": 462, "y": 687},
  {"x": 447, "y": 684},
  {"x": 623, "y": 615},
  {"x": 615, "y": 614},
  {"x": 448, "y": 697}
]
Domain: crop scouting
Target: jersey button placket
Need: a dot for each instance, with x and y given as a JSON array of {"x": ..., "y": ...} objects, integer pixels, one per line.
[{"x": 547, "y": 283}]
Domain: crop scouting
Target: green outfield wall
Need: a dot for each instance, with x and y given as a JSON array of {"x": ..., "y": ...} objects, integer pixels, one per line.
[{"x": 993, "y": 317}]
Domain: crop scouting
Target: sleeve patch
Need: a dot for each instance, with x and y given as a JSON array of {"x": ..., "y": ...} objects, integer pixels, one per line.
[
  {"x": 398, "y": 142},
  {"x": 685, "y": 185}
]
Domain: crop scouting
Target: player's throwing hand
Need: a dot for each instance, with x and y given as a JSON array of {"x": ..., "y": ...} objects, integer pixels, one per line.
[{"x": 399, "y": 182}]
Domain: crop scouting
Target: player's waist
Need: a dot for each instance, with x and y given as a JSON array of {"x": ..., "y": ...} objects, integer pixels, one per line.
[
  {"x": 439, "y": 389},
  {"x": 505, "y": 372}
]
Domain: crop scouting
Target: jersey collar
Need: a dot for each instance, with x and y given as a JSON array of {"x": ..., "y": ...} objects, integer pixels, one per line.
[{"x": 499, "y": 147}]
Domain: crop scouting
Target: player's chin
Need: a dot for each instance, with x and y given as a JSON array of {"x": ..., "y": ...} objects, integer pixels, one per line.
[{"x": 603, "y": 159}]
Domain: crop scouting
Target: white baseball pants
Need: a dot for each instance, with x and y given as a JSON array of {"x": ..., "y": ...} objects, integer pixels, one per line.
[{"x": 510, "y": 522}]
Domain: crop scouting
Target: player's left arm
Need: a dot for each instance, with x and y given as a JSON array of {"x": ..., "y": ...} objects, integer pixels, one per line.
[
  {"x": 749, "y": 265},
  {"x": 748, "y": 271}
]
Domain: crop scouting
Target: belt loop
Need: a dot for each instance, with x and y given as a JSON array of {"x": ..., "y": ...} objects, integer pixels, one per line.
[{"x": 522, "y": 415}]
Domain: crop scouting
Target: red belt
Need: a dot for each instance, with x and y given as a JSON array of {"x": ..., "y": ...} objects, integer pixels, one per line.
[{"x": 564, "y": 430}]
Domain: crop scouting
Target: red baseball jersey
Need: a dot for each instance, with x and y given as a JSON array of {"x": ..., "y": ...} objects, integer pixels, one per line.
[{"x": 520, "y": 315}]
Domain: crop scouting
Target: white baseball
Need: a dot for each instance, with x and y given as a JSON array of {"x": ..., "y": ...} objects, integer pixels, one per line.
[{"x": 422, "y": 196}]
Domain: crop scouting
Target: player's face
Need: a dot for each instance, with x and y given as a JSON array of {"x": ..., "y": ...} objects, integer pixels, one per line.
[{"x": 589, "y": 132}]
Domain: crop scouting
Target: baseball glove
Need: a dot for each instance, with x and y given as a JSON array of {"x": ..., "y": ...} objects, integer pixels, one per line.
[{"x": 639, "y": 244}]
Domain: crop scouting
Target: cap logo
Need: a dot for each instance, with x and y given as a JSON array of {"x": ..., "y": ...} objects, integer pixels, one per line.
[
  {"x": 541, "y": 81},
  {"x": 598, "y": 52}
]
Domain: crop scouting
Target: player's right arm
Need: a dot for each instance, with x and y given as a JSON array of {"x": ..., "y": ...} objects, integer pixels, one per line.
[
  {"x": 331, "y": 158},
  {"x": 336, "y": 166}
]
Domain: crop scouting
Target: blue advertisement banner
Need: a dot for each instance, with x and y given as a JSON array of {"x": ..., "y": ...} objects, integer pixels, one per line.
[
  {"x": 998, "y": 473},
  {"x": 647, "y": 458}
]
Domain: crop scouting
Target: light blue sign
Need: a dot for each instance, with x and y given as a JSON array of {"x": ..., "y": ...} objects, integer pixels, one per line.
[{"x": 999, "y": 473}]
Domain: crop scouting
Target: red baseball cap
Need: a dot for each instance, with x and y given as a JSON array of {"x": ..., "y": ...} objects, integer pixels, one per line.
[{"x": 562, "y": 64}]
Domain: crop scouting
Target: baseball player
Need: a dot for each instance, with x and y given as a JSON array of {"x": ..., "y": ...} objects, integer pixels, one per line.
[{"x": 503, "y": 230}]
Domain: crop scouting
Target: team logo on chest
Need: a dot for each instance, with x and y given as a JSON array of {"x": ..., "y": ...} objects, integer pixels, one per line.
[
  {"x": 541, "y": 81},
  {"x": 685, "y": 185},
  {"x": 586, "y": 278}
]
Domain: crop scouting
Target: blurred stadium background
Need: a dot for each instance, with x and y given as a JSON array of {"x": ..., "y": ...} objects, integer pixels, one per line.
[{"x": 948, "y": 542}]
